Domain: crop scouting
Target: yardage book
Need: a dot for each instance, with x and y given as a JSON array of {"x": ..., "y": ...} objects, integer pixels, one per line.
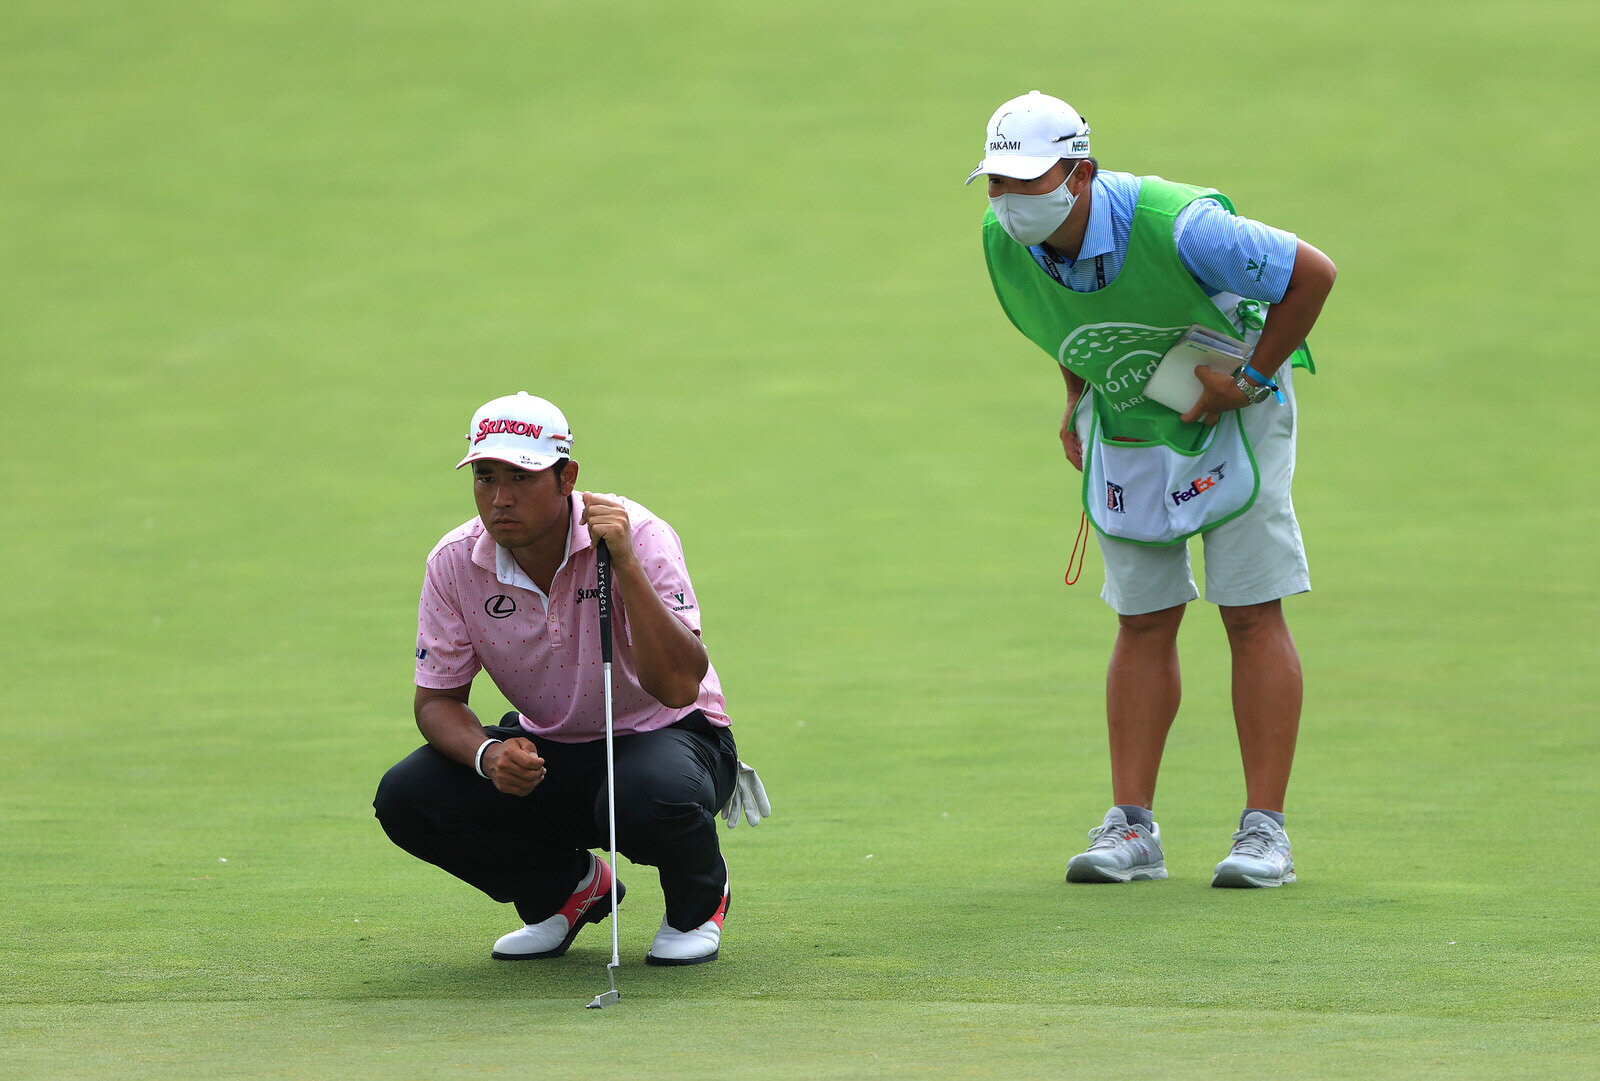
[{"x": 1174, "y": 384}]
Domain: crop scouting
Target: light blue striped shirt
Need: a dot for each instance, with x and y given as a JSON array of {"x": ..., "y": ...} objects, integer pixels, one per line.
[{"x": 1224, "y": 252}]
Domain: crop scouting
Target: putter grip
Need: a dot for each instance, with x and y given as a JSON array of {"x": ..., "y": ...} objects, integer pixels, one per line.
[{"x": 602, "y": 574}]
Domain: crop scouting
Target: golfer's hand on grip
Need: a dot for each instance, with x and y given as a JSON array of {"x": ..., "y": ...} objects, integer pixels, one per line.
[
  {"x": 514, "y": 766},
  {"x": 607, "y": 520}
]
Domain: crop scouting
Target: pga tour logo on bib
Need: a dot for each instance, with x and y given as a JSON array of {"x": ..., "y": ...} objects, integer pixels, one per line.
[{"x": 1156, "y": 494}]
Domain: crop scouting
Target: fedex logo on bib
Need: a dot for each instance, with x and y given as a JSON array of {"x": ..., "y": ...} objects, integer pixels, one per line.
[
  {"x": 1200, "y": 486},
  {"x": 1117, "y": 359}
]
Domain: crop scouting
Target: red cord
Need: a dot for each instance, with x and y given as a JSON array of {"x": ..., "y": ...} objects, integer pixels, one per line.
[{"x": 1080, "y": 548}]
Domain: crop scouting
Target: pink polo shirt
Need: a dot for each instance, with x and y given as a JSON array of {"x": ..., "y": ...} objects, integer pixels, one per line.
[{"x": 479, "y": 610}]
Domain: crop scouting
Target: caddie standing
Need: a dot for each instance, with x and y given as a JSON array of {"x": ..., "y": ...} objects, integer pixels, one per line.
[
  {"x": 514, "y": 808},
  {"x": 1107, "y": 272}
]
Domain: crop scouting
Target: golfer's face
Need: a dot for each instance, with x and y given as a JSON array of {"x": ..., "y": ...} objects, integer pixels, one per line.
[{"x": 518, "y": 507}]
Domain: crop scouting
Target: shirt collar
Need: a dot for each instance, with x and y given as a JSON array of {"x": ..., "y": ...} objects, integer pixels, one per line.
[
  {"x": 1097, "y": 235},
  {"x": 577, "y": 533},
  {"x": 510, "y": 572}
]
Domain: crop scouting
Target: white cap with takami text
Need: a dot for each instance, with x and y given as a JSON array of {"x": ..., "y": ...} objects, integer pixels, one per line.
[
  {"x": 1029, "y": 134},
  {"x": 520, "y": 429}
]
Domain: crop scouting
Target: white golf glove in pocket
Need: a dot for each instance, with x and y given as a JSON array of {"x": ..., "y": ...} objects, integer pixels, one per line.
[{"x": 749, "y": 799}]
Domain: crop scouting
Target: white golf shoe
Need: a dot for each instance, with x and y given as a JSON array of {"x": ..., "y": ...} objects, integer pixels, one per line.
[
  {"x": 589, "y": 903},
  {"x": 694, "y": 946},
  {"x": 1119, "y": 851},
  {"x": 1259, "y": 858}
]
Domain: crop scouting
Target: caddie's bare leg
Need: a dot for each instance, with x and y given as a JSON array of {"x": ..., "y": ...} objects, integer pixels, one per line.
[
  {"x": 1143, "y": 688},
  {"x": 1267, "y": 692}
]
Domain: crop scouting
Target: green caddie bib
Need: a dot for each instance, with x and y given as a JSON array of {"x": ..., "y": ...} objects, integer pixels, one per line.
[
  {"x": 1149, "y": 478},
  {"x": 1114, "y": 337}
]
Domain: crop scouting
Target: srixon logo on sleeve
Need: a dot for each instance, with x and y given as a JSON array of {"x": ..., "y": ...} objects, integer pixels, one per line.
[{"x": 1200, "y": 486}]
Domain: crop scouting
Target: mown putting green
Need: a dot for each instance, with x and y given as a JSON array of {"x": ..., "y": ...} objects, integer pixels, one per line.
[{"x": 262, "y": 260}]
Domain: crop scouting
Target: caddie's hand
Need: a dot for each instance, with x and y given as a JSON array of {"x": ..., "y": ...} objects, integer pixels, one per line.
[
  {"x": 514, "y": 766},
  {"x": 1218, "y": 394},
  {"x": 1069, "y": 439},
  {"x": 607, "y": 520},
  {"x": 749, "y": 799}
]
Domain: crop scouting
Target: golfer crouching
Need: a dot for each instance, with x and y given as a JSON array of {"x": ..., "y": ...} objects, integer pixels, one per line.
[{"x": 515, "y": 808}]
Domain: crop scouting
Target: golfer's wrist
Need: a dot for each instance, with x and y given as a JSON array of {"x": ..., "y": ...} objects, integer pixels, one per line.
[{"x": 477, "y": 759}]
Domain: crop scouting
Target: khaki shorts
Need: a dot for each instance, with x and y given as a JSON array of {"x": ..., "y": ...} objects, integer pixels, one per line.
[{"x": 1255, "y": 558}]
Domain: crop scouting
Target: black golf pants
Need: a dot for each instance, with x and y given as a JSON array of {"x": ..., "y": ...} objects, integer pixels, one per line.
[{"x": 533, "y": 850}]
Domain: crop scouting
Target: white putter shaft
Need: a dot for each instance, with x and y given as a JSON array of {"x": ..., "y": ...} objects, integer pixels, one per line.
[{"x": 603, "y": 580}]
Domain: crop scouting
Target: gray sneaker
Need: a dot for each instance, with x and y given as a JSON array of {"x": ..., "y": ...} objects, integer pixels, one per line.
[
  {"x": 1260, "y": 856},
  {"x": 1118, "y": 852}
]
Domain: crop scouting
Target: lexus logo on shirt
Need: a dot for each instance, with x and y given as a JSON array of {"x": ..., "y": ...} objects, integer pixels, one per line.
[{"x": 499, "y": 606}]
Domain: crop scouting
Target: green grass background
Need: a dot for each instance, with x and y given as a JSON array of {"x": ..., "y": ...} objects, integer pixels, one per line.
[{"x": 259, "y": 261}]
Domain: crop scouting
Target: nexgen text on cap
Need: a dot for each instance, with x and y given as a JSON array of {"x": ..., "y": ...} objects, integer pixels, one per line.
[
  {"x": 519, "y": 429},
  {"x": 1029, "y": 134}
]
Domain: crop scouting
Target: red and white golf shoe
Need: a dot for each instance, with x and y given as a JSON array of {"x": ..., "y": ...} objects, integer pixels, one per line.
[
  {"x": 589, "y": 903},
  {"x": 695, "y": 946}
]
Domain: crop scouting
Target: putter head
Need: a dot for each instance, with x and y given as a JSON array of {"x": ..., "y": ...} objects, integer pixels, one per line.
[{"x": 604, "y": 999}]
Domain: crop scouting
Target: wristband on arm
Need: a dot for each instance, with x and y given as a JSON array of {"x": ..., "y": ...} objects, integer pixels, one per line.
[
  {"x": 477, "y": 759},
  {"x": 1265, "y": 382}
]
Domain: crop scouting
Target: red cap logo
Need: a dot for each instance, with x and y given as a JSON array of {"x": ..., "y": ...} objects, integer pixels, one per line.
[{"x": 514, "y": 427}]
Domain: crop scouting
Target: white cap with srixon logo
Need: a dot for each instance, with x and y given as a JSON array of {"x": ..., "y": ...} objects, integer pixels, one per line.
[
  {"x": 520, "y": 429},
  {"x": 1029, "y": 134}
]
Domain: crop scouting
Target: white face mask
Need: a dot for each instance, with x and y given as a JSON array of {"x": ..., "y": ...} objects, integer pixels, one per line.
[{"x": 1030, "y": 219}]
